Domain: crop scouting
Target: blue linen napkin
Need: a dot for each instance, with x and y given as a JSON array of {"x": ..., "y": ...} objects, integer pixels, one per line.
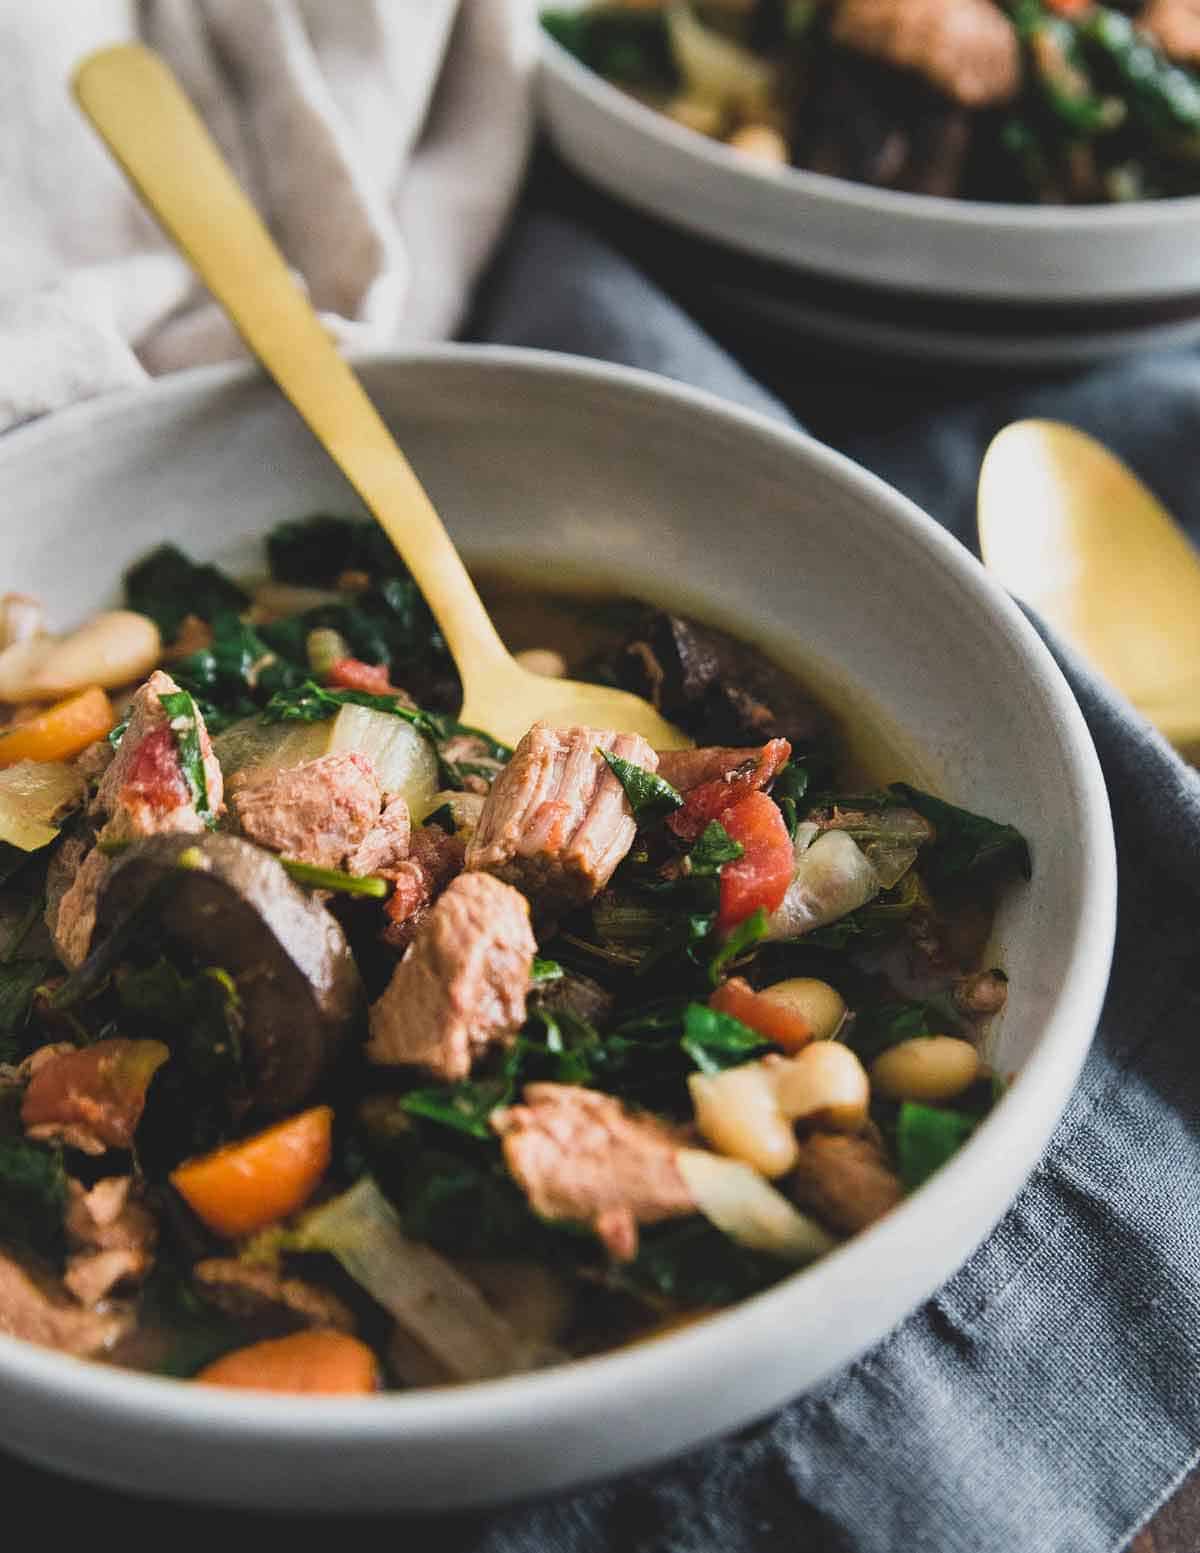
[{"x": 1045, "y": 1399}]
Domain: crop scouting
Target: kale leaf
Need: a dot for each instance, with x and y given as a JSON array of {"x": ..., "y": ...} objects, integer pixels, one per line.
[
  {"x": 926, "y": 1137},
  {"x": 649, "y": 796},
  {"x": 315, "y": 551},
  {"x": 692, "y": 1262},
  {"x": 184, "y": 724},
  {"x": 715, "y": 1041},
  {"x": 167, "y": 586},
  {"x": 19, "y": 981},
  {"x": 966, "y": 846},
  {"x": 33, "y": 1197},
  {"x": 714, "y": 848}
]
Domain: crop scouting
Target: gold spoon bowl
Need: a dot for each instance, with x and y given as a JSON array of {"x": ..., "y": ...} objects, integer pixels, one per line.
[{"x": 1071, "y": 530}]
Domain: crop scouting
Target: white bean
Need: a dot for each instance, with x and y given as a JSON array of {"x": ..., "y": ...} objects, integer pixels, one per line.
[
  {"x": 544, "y": 661},
  {"x": 761, "y": 142},
  {"x": 738, "y": 1113},
  {"x": 111, "y": 649},
  {"x": 20, "y": 618},
  {"x": 825, "y": 1083},
  {"x": 927, "y": 1068},
  {"x": 821, "y": 1006}
]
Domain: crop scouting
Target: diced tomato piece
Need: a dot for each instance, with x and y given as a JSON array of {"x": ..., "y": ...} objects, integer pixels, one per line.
[
  {"x": 354, "y": 674},
  {"x": 1070, "y": 7},
  {"x": 709, "y": 800},
  {"x": 155, "y": 777},
  {"x": 760, "y": 877},
  {"x": 773, "y": 1021}
]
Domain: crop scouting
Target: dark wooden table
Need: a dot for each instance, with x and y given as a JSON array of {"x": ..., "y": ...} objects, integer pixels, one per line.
[{"x": 1176, "y": 1527}]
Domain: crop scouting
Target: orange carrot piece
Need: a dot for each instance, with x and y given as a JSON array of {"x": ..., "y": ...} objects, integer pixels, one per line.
[
  {"x": 773, "y": 1021},
  {"x": 61, "y": 731},
  {"x": 244, "y": 1186},
  {"x": 320, "y": 1363}
]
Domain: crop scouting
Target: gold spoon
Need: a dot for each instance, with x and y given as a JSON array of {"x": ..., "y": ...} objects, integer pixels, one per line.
[
  {"x": 152, "y": 130},
  {"x": 1068, "y": 528}
]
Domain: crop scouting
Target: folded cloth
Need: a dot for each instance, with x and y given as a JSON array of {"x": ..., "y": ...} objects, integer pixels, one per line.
[{"x": 383, "y": 143}]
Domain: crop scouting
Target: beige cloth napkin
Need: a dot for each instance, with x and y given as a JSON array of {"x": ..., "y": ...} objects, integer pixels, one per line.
[{"x": 383, "y": 140}]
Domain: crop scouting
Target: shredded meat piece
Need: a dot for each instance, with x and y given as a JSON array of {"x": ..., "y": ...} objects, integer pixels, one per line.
[
  {"x": 250, "y": 1293},
  {"x": 144, "y": 792},
  {"x": 108, "y": 1217},
  {"x": 71, "y": 917},
  {"x": 1175, "y": 26},
  {"x": 318, "y": 812},
  {"x": 434, "y": 858},
  {"x": 91, "y": 1276},
  {"x": 556, "y": 822},
  {"x": 845, "y": 1180},
  {"x": 461, "y": 986},
  {"x": 34, "y": 1309},
  {"x": 580, "y": 1155},
  {"x": 385, "y": 847},
  {"x": 968, "y": 49}
]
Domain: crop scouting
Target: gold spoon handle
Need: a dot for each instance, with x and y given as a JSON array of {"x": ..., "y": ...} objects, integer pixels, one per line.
[{"x": 151, "y": 128}]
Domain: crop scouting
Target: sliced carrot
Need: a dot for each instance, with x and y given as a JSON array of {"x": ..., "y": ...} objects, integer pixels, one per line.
[
  {"x": 247, "y": 1185},
  {"x": 773, "y": 1021},
  {"x": 321, "y": 1362},
  {"x": 61, "y": 731}
]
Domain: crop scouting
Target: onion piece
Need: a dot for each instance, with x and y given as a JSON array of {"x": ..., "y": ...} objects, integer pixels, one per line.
[
  {"x": 748, "y": 1209},
  {"x": 713, "y": 67},
  {"x": 833, "y": 877},
  {"x": 429, "y": 1297},
  {"x": 34, "y": 796}
]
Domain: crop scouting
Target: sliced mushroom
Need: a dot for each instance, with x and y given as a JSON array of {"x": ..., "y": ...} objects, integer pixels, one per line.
[{"x": 232, "y": 905}]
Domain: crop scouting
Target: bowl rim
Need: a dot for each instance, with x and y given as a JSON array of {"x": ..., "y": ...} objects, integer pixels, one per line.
[
  {"x": 1011, "y": 1130},
  {"x": 843, "y": 193}
]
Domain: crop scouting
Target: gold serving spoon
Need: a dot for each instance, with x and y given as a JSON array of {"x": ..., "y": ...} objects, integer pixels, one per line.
[
  {"x": 1068, "y": 528},
  {"x": 153, "y": 131}
]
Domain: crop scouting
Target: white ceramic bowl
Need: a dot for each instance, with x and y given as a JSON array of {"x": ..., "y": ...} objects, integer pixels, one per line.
[
  {"x": 1021, "y": 255},
  {"x": 564, "y": 465}
]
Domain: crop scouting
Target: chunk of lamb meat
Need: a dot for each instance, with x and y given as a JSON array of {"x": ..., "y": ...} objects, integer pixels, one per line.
[
  {"x": 845, "y": 1180},
  {"x": 326, "y": 812},
  {"x": 557, "y": 822},
  {"x": 461, "y": 986},
  {"x": 967, "y": 49},
  {"x": 580, "y": 1155},
  {"x": 37, "y": 1311},
  {"x": 143, "y": 792},
  {"x": 112, "y": 1239},
  {"x": 261, "y": 1295},
  {"x": 1175, "y": 26},
  {"x": 434, "y": 858},
  {"x": 721, "y": 690}
]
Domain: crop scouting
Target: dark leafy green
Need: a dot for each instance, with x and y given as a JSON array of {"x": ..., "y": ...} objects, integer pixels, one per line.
[
  {"x": 693, "y": 1262},
  {"x": 33, "y": 1197},
  {"x": 748, "y": 932},
  {"x": 167, "y": 586},
  {"x": 181, "y": 709},
  {"x": 714, "y": 848},
  {"x": 625, "y": 45},
  {"x": 196, "y": 1332},
  {"x": 966, "y": 845},
  {"x": 236, "y": 674},
  {"x": 19, "y": 981},
  {"x": 715, "y": 1041},
  {"x": 926, "y": 1137},
  {"x": 315, "y": 551},
  {"x": 544, "y": 971},
  {"x": 649, "y": 796}
]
